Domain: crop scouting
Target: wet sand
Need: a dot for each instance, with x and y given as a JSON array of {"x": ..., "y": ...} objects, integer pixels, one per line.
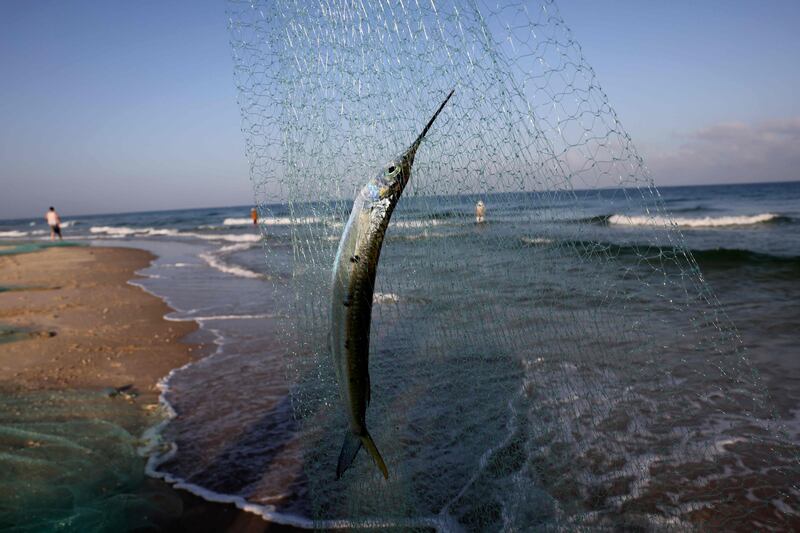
[
  {"x": 71, "y": 321},
  {"x": 87, "y": 328}
]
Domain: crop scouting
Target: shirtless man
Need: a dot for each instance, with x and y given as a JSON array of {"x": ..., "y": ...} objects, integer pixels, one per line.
[{"x": 54, "y": 221}]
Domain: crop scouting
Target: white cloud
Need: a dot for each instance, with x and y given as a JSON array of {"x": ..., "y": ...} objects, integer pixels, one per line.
[{"x": 732, "y": 152}]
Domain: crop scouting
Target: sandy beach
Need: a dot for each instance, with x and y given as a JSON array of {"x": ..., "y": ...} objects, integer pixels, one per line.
[
  {"x": 70, "y": 321},
  {"x": 83, "y": 326}
]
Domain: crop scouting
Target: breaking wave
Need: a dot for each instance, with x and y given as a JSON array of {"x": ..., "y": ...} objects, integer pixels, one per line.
[
  {"x": 123, "y": 231},
  {"x": 243, "y": 238},
  {"x": 13, "y": 233},
  {"x": 272, "y": 221},
  {"x": 214, "y": 260},
  {"x": 703, "y": 222},
  {"x": 422, "y": 223}
]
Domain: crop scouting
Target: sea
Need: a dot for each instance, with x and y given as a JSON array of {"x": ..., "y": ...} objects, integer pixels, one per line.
[{"x": 489, "y": 416}]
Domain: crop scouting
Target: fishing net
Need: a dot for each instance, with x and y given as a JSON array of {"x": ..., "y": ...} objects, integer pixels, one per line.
[
  {"x": 560, "y": 365},
  {"x": 69, "y": 462}
]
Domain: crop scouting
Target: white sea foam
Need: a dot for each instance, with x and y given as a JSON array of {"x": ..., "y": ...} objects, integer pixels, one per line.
[
  {"x": 272, "y": 221},
  {"x": 214, "y": 261},
  {"x": 230, "y": 317},
  {"x": 425, "y": 234},
  {"x": 123, "y": 231},
  {"x": 108, "y": 230},
  {"x": 13, "y": 233},
  {"x": 416, "y": 223},
  {"x": 704, "y": 222},
  {"x": 230, "y": 237},
  {"x": 536, "y": 240},
  {"x": 237, "y": 222},
  {"x": 162, "y": 233},
  {"x": 230, "y": 248},
  {"x": 68, "y": 223},
  {"x": 385, "y": 298}
]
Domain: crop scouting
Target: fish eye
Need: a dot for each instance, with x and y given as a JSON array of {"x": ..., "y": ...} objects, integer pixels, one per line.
[{"x": 391, "y": 170}]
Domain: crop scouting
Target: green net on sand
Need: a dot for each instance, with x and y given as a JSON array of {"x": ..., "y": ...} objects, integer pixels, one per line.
[{"x": 69, "y": 461}]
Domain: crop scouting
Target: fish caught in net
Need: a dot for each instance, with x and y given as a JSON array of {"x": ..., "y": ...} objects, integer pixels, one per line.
[{"x": 538, "y": 359}]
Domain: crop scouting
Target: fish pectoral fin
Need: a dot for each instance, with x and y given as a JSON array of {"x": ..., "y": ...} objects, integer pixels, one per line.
[
  {"x": 350, "y": 447},
  {"x": 369, "y": 444}
]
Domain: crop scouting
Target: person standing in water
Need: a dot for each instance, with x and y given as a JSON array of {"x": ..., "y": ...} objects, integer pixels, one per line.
[
  {"x": 54, "y": 221},
  {"x": 254, "y": 215},
  {"x": 480, "y": 212}
]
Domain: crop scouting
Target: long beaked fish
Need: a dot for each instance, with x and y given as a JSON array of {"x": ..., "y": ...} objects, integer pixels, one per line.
[{"x": 353, "y": 284}]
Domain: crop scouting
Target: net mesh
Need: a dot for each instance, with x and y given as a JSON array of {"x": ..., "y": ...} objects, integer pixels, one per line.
[
  {"x": 554, "y": 366},
  {"x": 69, "y": 462}
]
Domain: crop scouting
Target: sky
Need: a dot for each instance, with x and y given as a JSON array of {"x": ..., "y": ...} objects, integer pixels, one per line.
[{"x": 109, "y": 106}]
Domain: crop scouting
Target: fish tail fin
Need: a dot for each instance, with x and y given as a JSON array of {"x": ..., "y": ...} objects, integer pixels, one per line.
[
  {"x": 352, "y": 443},
  {"x": 369, "y": 444},
  {"x": 350, "y": 447}
]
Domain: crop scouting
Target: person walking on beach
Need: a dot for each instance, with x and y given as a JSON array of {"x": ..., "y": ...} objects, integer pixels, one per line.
[
  {"x": 254, "y": 215},
  {"x": 54, "y": 221}
]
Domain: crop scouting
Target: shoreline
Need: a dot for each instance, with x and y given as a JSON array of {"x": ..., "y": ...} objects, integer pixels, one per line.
[
  {"x": 90, "y": 328},
  {"x": 77, "y": 322}
]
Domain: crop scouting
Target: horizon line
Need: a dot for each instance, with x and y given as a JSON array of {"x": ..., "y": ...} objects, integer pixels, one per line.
[{"x": 145, "y": 211}]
